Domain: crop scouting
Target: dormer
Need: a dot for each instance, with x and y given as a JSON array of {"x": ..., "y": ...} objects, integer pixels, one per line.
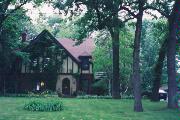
[{"x": 85, "y": 60}]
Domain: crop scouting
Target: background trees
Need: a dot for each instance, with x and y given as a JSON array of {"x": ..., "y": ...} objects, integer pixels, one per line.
[
  {"x": 103, "y": 58},
  {"x": 13, "y": 20},
  {"x": 154, "y": 33},
  {"x": 10, "y": 40},
  {"x": 168, "y": 9},
  {"x": 159, "y": 75}
]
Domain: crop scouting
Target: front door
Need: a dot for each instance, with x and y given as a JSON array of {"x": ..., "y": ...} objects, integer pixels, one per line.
[{"x": 66, "y": 87}]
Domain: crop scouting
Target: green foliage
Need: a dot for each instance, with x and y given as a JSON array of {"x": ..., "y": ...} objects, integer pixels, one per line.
[
  {"x": 43, "y": 94},
  {"x": 70, "y": 30},
  {"x": 153, "y": 35},
  {"x": 10, "y": 39},
  {"x": 163, "y": 6},
  {"x": 102, "y": 97},
  {"x": 94, "y": 97},
  {"x": 44, "y": 105},
  {"x": 60, "y": 28},
  {"x": 178, "y": 78},
  {"x": 103, "y": 57},
  {"x": 98, "y": 15},
  {"x": 101, "y": 84}
]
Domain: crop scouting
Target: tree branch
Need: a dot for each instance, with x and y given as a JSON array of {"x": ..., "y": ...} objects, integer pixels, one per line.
[
  {"x": 129, "y": 11},
  {"x": 153, "y": 8},
  {"x": 6, "y": 15},
  {"x": 149, "y": 13},
  {"x": 126, "y": 20},
  {"x": 3, "y": 8},
  {"x": 15, "y": 9},
  {"x": 4, "y": 5}
]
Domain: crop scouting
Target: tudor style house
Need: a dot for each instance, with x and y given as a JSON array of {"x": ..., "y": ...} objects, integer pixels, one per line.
[{"x": 57, "y": 64}]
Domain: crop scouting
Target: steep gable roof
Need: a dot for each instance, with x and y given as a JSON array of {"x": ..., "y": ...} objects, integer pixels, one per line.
[
  {"x": 84, "y": 49},
  {"x": 74, "y": 51}
]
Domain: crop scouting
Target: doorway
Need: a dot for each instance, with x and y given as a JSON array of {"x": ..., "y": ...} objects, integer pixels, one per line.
[{"x": 66, "y": 87}]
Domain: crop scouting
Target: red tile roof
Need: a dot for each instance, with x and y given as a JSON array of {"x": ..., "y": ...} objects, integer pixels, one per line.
[{"x": 84, "y": 49}]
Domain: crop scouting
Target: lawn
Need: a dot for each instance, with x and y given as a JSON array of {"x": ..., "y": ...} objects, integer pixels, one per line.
[{"x": 87, "y": 109}]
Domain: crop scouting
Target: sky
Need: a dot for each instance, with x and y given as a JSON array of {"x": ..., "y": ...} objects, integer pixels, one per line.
[
  {"x": 48, "y": 10},
  {"x": 34, "y": 12}
]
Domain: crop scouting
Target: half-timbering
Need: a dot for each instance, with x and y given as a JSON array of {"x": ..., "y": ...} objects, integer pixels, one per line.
[{"x": 56, "y": 65}]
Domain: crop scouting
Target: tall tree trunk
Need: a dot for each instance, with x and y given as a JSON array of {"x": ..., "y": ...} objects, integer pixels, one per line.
[
  {"x": 158, "y": 72},
  {"x": 171, "y": 52},
  {"x": 4, "y": 83},
  {"x": 115, "y": 46},
  {"x": 136, "y": 80}
]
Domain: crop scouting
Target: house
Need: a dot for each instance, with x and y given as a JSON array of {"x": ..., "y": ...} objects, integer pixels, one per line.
[{"x": 57, "y": 64}]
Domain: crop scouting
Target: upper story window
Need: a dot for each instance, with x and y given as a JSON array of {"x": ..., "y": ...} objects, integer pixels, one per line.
[{"x": 85, "y": 64}]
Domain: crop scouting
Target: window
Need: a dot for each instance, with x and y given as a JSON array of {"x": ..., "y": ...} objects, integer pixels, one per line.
[{"x": 85, "y": 64}]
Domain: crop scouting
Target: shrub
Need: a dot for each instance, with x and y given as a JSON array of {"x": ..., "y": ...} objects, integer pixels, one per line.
[
  {"x": 81, "y": 93},
  {"x": 44, "y": 105},
  {"x": 127, "y": 96},
  {"x": 48, "y": 92},
  {"x": 103, "y": 97},
  {"x": 94, "y": 97},
  {"x": 59, "y": 92},
  {"x": 43, "y": 94}
]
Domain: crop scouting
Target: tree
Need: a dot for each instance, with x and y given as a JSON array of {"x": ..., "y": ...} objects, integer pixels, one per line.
[
  {"x": 150, "y": 43},
  {"x": 11, "y": 27},
  {"x": 152, "y": 54},
  {"x": 62, "y": 28},
  {"x": 103, "y": 58},
  {"x": 136, "y": 69},
  {"x": 158, "y": 71},
  {"x": 136, "y": 9},
  {"x": 11, "y": 45},
  {"x": 171, "y": 52},
  {"x": 137, "y": 12},
  {"x": 172, "y": 15},
  {"x": 17, "y": 4}
]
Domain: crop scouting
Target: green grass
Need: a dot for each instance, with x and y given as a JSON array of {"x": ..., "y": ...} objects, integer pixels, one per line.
[{"x": 84, "y": 109}]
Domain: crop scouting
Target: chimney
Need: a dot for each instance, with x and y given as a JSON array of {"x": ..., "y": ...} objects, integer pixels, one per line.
[{"x": 24, "y": 36}]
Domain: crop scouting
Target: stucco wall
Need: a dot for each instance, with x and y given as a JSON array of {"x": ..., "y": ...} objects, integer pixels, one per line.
[
  {"x": 72, "y": 83},
  {"x": 69, "y": 66}
]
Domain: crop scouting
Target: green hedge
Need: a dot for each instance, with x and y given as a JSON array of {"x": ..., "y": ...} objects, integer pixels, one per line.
[
  {"x": 46, "y": 93},
  {"x": 94, "y": 97},
  {"x": 44, "y": 105},
  {"x": 103, "y": 97}
]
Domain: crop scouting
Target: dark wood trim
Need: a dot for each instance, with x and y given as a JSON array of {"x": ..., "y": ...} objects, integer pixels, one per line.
[
  {"x": 25, "y": 68},
  {"x": 38, "y": 67},
  {"x": 87, "y": 74},
  {"x": 67, "y": 65},
  {"x": 90, "y": 68},
  {"x": 43, "y": 59},
  {"x": 57, "y": 73},
  {"x": 78, "y": 69},
  {"x": 55, "y": 40},
  {"x": 72, "y": 66}
]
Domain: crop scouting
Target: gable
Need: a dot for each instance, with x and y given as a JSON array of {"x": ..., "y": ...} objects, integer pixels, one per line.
[
  {"x": 84, "y": 49},
  {"x": 46, "y": 38}
]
